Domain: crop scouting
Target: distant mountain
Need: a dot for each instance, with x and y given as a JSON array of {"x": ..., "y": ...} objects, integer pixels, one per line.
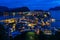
[
  {"x": 4, "y": 9},
  {"x": 55, "y": 8},
  {"x": 20, "y": 9}
]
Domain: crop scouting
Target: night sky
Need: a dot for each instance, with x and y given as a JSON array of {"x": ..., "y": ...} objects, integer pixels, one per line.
[{"x": 32, "y": 4}]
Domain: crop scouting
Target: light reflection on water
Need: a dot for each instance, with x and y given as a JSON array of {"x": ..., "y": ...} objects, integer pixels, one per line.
[{"x": 56, "y": 15}]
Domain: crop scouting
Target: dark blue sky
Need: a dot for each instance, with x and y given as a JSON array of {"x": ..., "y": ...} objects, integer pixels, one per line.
[{"x": 32, "y": 4}]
